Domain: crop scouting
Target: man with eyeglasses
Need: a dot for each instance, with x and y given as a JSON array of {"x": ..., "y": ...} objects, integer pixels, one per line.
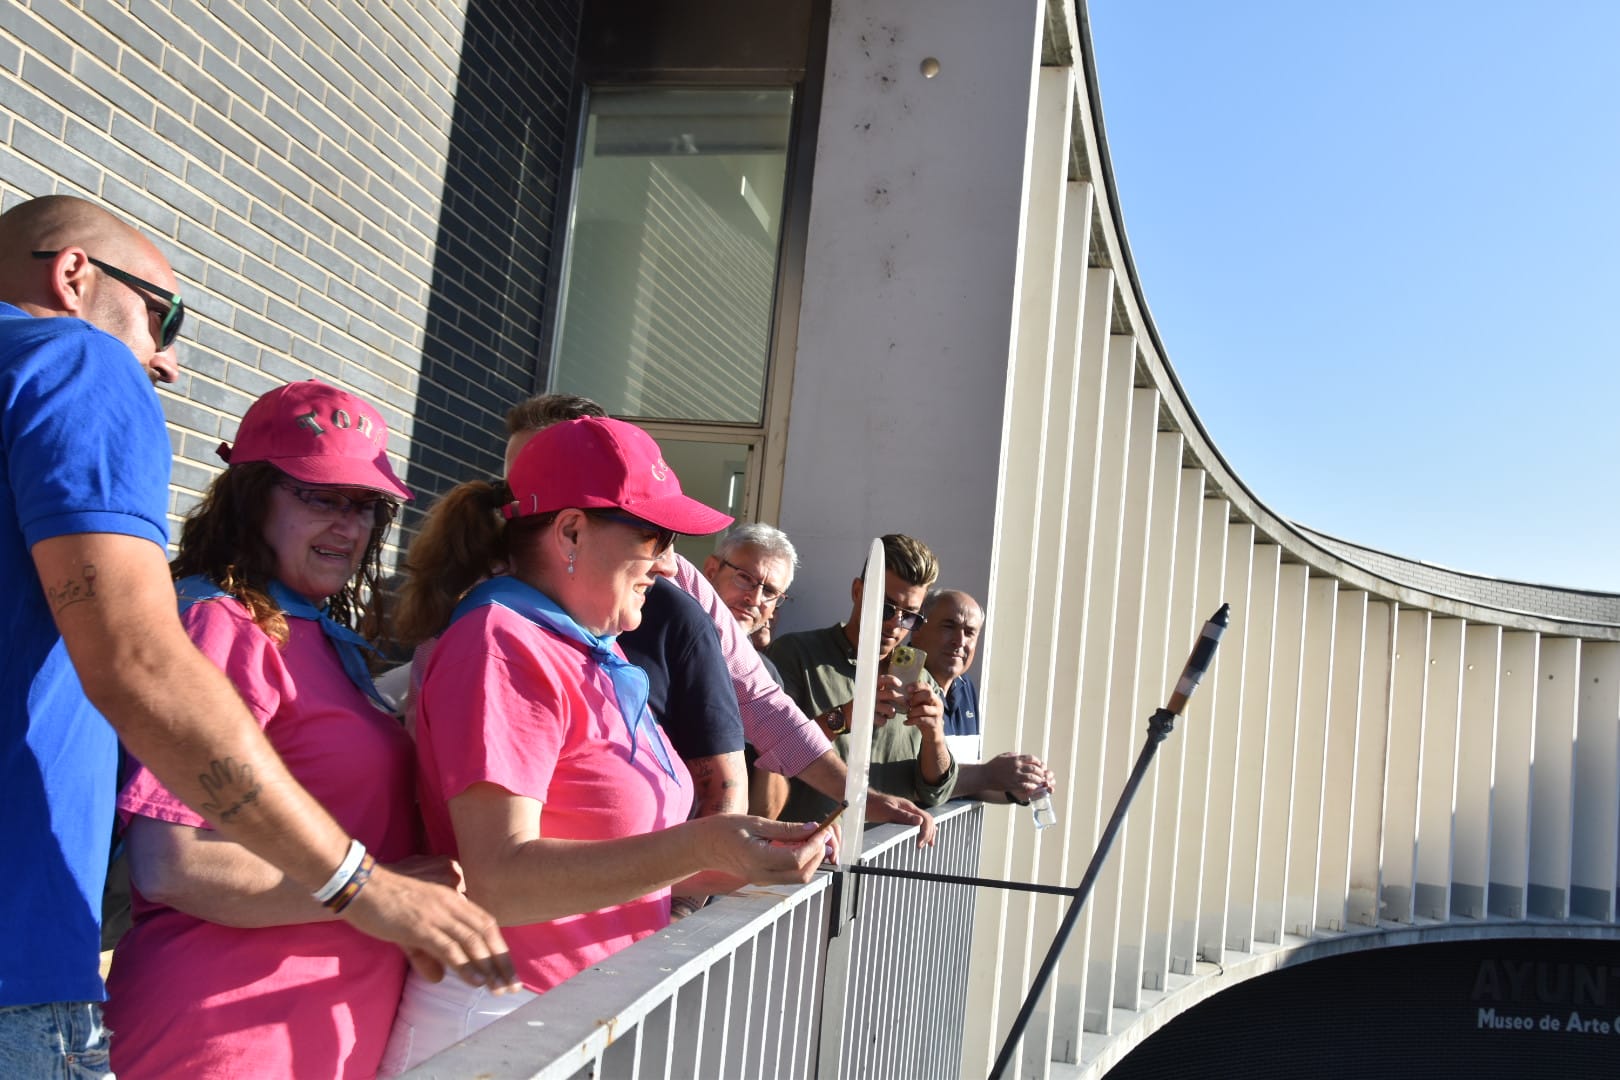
[
  {"x": 910, "y": 757},
  {"x": 751, "y": 569},
  {"x": 89, "y": 313}
]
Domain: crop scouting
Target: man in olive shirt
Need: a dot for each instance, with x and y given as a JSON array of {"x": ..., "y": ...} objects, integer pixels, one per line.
[{"x": 910, "y": 757}]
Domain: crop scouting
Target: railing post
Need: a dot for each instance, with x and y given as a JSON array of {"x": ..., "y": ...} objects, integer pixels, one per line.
[{"x": 839, "y": 942}]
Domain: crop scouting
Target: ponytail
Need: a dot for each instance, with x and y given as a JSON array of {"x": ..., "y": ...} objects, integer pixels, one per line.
[{"x": 462, "y": 541}]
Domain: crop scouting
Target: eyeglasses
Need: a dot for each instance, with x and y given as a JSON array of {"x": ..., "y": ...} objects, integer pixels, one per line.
[
  {"x": 769, "y": 595},
  {"x": 662, "y": 538},
  {"x": 905, "y": 617},
  {"x": 372, "y": 512},
  {"x": 171, "y": 316}
]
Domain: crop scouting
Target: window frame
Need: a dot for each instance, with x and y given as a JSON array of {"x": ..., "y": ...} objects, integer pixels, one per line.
[{"x": 635, "y": 63}]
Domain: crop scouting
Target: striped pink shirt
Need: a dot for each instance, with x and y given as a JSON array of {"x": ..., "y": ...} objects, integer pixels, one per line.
[{"x": 787, "y": 740}]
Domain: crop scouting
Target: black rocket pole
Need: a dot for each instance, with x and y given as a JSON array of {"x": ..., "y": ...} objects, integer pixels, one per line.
[{"x": 1159, "y": 726}]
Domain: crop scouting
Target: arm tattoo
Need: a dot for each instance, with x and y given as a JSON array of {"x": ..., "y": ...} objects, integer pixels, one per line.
[
  {"x": 71, "y": 592},
  {"x": 230, "y": 787},
  {"x": 712, "y": 788}
]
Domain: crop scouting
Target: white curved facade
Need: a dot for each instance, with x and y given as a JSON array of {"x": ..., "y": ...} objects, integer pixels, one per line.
[{"x": 1371, "y": 762}]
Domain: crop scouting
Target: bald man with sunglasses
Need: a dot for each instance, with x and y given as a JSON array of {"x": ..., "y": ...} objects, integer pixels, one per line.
[{"x": 89, "y": 316}]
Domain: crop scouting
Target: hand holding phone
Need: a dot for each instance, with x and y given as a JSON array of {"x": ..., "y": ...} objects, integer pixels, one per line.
[{"x": 906, "y": 664}]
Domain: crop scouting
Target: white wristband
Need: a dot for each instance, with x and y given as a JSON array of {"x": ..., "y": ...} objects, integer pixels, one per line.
[{"x": 345, "y": 871}]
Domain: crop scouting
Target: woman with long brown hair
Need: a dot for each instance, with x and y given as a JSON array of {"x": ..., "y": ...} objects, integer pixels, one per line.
[{"x": 231, "y": 970}]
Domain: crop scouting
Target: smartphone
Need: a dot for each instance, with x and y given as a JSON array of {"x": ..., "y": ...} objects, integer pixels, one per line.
[{"x": 906, "y": 664}]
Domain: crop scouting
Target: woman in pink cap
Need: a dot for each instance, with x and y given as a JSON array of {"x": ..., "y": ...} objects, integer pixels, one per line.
[
  {"x": 230, "y": 970},
  {"x": 541, "y": 768}
]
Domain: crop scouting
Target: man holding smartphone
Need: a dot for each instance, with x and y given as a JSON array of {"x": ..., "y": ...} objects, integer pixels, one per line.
[{"x": 910, "y": 757}]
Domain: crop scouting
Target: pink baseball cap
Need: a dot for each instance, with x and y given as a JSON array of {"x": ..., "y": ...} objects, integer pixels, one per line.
[
  {"x": 594, "y": 464},
  {"x": 318, "y": 434}
]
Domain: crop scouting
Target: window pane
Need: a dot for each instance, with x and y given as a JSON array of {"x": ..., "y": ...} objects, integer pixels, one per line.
[
  {"x": 672, "y": 258},
  {"x": 712, "y": 473}
]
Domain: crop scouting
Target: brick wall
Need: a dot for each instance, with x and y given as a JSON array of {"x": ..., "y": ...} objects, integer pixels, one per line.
[{"x": 359, "y": 192}]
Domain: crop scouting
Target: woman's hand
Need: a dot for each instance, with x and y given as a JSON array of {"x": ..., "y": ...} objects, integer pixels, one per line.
[{"x": 752, "y": 850}]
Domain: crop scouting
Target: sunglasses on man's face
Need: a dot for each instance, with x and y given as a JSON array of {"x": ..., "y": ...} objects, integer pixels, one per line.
[
  {"x": 905, "y": 618},
  {"x": 171, "y": 314}
]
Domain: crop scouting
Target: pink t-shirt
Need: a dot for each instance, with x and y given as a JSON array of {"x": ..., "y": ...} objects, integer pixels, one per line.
[
  {"x": 507, "y": 702},
  {"x": 195, "y": 999},
  {"x": 786, "y": 740}
]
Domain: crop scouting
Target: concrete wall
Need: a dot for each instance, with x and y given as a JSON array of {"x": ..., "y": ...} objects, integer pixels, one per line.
[
  {"x": 342, "y": 188},
  {"x": 909, "y": 277}
]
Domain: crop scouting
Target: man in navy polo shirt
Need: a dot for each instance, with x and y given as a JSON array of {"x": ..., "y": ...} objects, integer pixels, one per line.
[
  {"x": 89, "y": 316},
  {"x": 949, "y": 635}
]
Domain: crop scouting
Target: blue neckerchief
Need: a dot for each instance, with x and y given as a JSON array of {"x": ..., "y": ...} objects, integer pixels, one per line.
[
  {"x": 629, "y": 681},
  {"x": 351, "y": 647}
]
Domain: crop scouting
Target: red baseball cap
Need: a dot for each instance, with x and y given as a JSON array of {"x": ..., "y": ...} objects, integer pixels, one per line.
[
  {"x": 318, "y": 434},
  {"x": 595, "y": 463}
]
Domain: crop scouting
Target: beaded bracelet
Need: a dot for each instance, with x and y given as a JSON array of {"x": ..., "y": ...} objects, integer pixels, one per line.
[
  {"x": 343, "y": 873},
  {"x": 352, "y": 887}
]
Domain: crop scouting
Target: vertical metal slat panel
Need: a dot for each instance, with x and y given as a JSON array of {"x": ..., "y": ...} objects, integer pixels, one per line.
[
  {"x": 1476, "y": 768},
  {"x": 1259, "y": 649},
  {"x": 1372, "y": 744},
  {"x": 1225, "y": 718},
  {"x": 1310, "y": 758},
  {"x": 1197, "y": 740},
  {"x": 1115, "y": 952},
  {"x": 1339, "y": 774},
  {"x": 1410, "y": 682},
  {"x": 1510, "y": 785},
  {"x": 1437, "y": 786},
  {"x": 1152, "y": 688},
  {"x": 1553, "y": 810},
  {"x": 1596, "y": 836},
  {"x": 1171, "y": 759},
  {"x": 1276, "y": 807}
]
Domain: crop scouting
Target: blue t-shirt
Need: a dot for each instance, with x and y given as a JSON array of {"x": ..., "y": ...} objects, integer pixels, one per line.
[
  {"x": 690, "y": 689},
  {"x": 84, "y": 450},
  {"x": 962, "y": 707}
]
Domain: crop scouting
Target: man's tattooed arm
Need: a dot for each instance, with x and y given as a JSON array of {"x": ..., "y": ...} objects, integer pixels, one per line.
[
  {"x": 719, "y": 785},
  {"x": 231, "y": 789},
  {"x": 73, "y": 590}
]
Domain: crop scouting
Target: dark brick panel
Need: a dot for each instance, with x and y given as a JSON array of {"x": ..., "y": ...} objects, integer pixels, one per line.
[{"x": 338, "y": 185}]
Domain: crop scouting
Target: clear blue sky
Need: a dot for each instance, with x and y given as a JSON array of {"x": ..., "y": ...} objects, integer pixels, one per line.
[{"x": 1381, "y": 243}]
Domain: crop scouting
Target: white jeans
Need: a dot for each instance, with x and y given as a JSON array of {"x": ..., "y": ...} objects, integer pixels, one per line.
[{"x": 433, "y": 1016}]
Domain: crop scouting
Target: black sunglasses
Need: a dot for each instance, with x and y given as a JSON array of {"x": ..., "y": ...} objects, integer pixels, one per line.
[
  {"x": 173, "y": 316},
  {"x": 905, "y": 617},
  {"x": 664, "y": 537}
]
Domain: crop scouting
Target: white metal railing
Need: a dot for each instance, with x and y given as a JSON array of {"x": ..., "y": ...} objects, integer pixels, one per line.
[
  {"x": 901, "y": 1009},
  {"x": 736, "y": 990}
]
